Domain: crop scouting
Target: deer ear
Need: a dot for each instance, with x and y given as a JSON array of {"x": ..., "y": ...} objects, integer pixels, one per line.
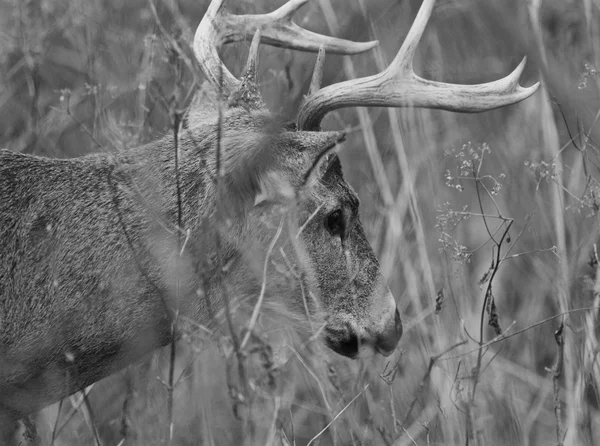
[
  {"x": 303, "y": 159},
  {"x": 321, "y": 154},
  {"x": 274, "y": 186},
  {"x": 249, "y": 163}
]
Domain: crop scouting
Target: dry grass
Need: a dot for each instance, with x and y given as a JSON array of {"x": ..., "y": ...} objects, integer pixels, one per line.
[{"x": 475, "y": 218}]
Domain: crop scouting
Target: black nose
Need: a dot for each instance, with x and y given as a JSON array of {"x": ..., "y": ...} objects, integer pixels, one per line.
[
  {"x": 348, "y": 346},
  {"x": 388, "y": 340}
]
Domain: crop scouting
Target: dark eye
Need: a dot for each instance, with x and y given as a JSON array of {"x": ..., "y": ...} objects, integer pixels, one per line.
[{"x": 335, "y": 223}]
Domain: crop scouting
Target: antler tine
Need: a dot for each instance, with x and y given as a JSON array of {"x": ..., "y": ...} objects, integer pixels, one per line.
[
  {"x": 251, "y": 70},
  {"x": 218, "y": 27},
  {"x": 399, "y": 86},
  {"x": 287, "y": 34},
  {"x": 207, "y": 41},
  {"x": 247, "y": 92},
  {"x": 406, "y": 53},
  {"x": 317, "y": 77}
]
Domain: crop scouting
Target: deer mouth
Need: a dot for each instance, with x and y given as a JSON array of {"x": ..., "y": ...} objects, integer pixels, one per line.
[
  {"x": 348, "y": 341},
  {"x": 386, "y": 342}
]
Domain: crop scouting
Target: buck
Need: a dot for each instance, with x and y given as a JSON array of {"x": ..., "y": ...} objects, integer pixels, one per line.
[{"x": 98, "y": 253}]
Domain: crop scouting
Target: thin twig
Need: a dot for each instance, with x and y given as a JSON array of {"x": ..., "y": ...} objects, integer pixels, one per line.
[
  {"x": 263, "y": 288},
  {"x": 503, "y": 337},
  {"x": 176, "y": 121},
  {"x": 336, "y": 417},
  {"x": 432, "y": 361},
  {"x": 556, "y": 372},
  {"x": 54, "y": 431},
  {"x": 488, "y": 296},
  {"x": 93, "y": 427},
  {"x": 239, "y": 354}
]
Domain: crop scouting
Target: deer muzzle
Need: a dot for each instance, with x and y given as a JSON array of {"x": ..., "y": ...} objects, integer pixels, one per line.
[
  {"x": 387, "y": 340},
  {"x": 347, "y": 339}
]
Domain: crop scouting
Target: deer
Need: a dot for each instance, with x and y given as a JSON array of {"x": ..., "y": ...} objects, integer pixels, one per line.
[{"x": 100, "y": 253}]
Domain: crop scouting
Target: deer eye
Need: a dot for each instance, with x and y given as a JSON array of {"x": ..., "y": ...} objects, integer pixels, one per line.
[{"x": 335, "y": 223}]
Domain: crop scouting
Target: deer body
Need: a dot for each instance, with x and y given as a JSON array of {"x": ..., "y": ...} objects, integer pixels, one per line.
[{"x": 91, "y": 300}]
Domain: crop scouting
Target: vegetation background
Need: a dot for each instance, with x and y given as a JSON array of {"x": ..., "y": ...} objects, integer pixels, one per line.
[{"x": 475, "y": 218}]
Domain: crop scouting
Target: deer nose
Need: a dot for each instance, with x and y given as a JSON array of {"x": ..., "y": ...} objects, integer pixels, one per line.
[
  {"x": 349, "y": 346},
  {"x": 387, "y": 341}
]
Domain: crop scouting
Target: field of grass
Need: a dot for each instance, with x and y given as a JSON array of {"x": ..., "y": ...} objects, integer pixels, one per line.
[{"x": 485, "y": 225}]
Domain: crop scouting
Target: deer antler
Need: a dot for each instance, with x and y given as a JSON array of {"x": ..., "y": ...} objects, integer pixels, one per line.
[
  {"x": 218, "y": 27},
  {"x": 399, "y": 86}
]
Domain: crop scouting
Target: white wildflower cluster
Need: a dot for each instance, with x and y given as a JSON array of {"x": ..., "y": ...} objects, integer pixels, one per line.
[
  {"x": 447, "y": 221},
  {"x": 469, "y": 162},
  {"x": 589, "y": 72},
  {"x": 542, "y": 170}
]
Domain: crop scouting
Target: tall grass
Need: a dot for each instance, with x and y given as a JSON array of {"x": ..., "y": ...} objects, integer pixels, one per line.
[{"x": 486, "y": 225}]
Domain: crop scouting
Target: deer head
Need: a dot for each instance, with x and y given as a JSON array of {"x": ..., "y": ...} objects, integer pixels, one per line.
[{"x": 338, "y": 268}]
